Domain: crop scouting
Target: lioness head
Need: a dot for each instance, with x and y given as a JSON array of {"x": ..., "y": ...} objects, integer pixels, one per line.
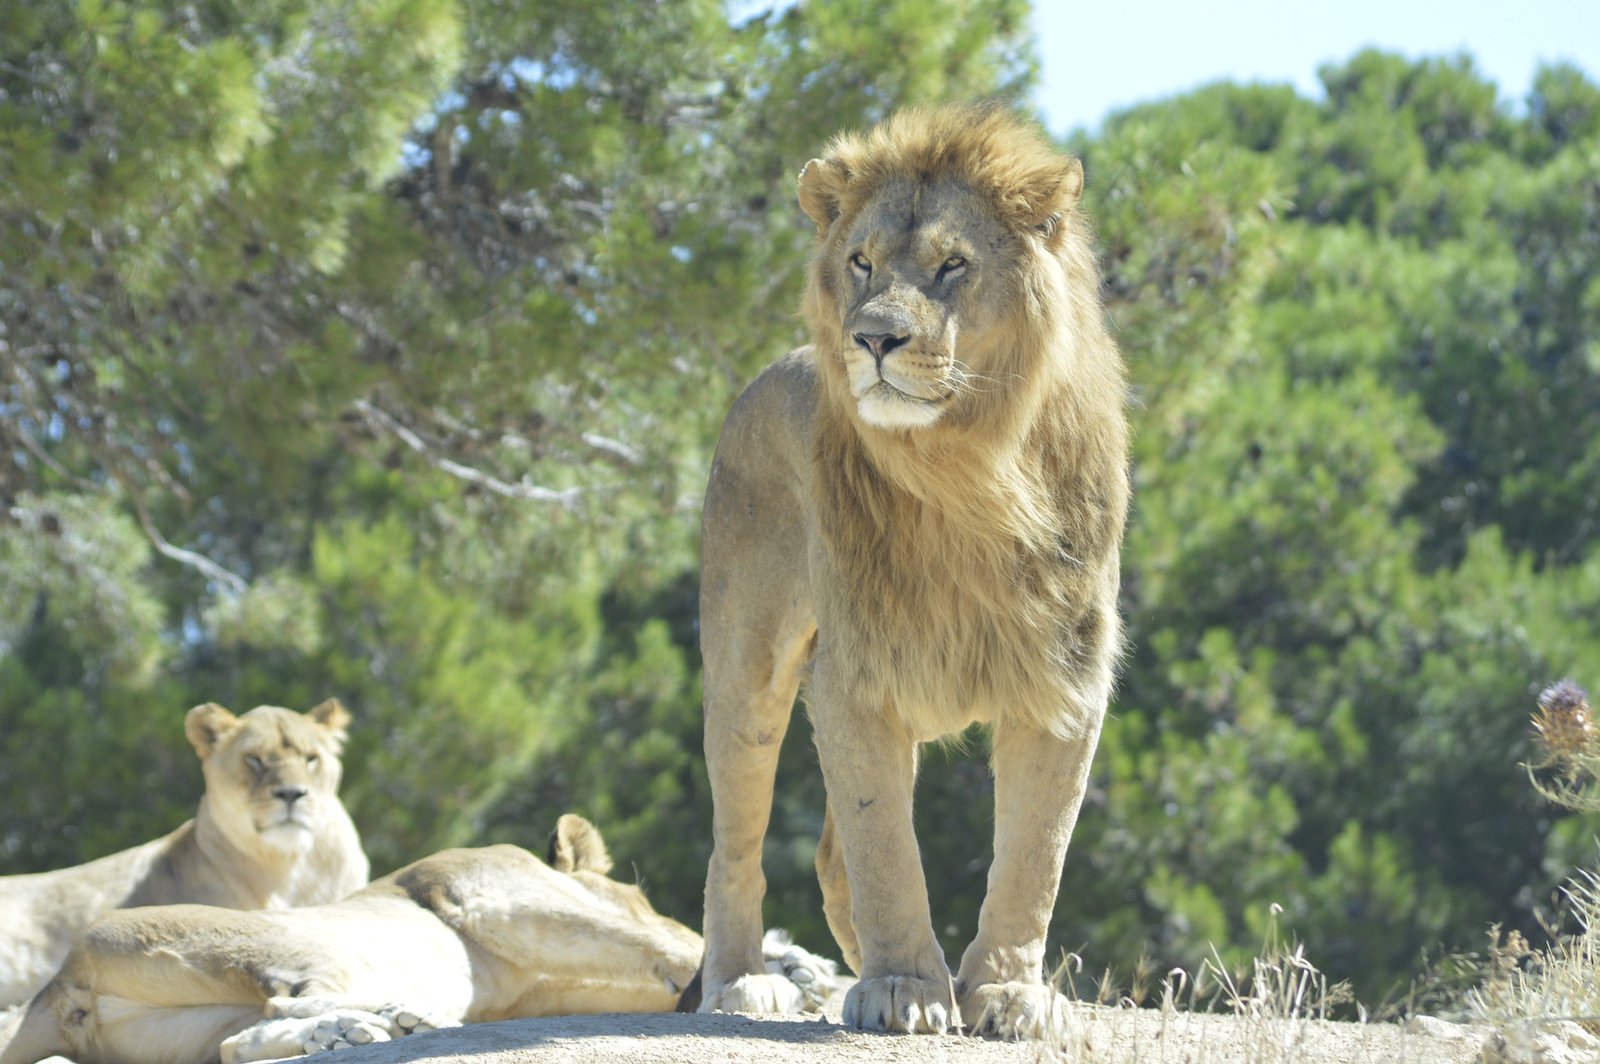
[
  {"x": 576, "y": 848},
  {"x": 271, "y": 773},
  {"x": 934, "y": 230}
]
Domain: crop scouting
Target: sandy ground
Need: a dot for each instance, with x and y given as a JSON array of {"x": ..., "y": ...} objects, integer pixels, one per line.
[{"x": 1098, "y": 1035}]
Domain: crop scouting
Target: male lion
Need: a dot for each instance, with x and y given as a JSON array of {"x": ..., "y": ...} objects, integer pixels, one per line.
[
  {"x": 270, "y": 833},
  {"x": 463, "y": 936},
  {"x": 925, "y": 505}
]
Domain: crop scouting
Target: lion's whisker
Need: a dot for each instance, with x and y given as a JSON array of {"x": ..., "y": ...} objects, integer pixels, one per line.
[{"x": 963, "y": 379}]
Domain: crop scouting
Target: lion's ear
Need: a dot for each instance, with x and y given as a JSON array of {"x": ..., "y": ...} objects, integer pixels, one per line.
[
  {"x": 1052, "y": 193},
  {"x": 821, "y": 186},
  {"x": 333, "y": 716},
  {"x": 206, "y": 725},
  {"x": 576, "y": 846}
]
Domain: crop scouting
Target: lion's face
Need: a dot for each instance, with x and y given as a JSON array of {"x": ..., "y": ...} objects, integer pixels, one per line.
[
  {"x": 937, "y": 244},
  {"x": 916, "y": 276},
  {"x": 271, "y": 773}
]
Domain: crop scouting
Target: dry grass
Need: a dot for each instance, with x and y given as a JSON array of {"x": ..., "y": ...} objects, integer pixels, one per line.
[
  {"x": 1522, "y": 1005},
  {"x": 1558, "y": 982},
  {"x": 1545, "y": 1002},
  {"x": 1270, "y": 1011}
]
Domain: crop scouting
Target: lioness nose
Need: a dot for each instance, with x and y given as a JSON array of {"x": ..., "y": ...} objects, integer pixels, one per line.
[
  {"x": 879, "y": 344},
  {"x": 289, "y": 795}
]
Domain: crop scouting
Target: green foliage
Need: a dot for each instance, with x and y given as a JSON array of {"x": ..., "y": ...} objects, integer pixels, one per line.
[
  {"x": 93, "y": 764},
  {"x": 76, "y": 565},
  {"x": 1363, "y": 532},
  {"x": 378, "y": 350}
]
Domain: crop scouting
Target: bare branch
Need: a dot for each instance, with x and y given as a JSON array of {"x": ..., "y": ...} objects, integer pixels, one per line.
[
  {"x": 45, "y": 459},
  {"x": 618, "y": 452},
  {"x": 564, "y": 498},
  {"x": 211, "y": 570}
]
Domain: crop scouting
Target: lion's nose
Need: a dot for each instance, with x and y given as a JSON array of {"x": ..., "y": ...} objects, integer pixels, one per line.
[
  {"x": 880, "y": 344},
  {"x": 289, "y": 795}
]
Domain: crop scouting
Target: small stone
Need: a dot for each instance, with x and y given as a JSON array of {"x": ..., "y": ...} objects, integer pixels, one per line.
[{"x": 1434, "y": 1027}]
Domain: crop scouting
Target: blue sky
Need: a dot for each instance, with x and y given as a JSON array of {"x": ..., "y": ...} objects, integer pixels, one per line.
[{"x": 1103, "y": 55}]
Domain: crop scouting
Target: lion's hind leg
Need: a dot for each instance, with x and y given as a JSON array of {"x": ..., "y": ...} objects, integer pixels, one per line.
[{"x": 836, "y": 891}]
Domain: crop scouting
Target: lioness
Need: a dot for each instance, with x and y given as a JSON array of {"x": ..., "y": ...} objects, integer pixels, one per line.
[
  {"x": 459, "y": 937},
  {"x": 269, "y": 833},
  {"x": 926, "y": 506}
]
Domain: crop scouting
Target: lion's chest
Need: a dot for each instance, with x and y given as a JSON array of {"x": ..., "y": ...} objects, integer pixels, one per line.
[{"x": 953, "y": 626}]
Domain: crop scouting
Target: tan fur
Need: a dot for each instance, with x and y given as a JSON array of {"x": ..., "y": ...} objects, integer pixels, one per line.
[
  {"x": 270, "y": 833},
  {"x": 925, "y": 505},
  {"x": 462, "y": 936}
]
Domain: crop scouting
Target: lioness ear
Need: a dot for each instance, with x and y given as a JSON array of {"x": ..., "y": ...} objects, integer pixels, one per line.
[
  {"x": 821, "y": 184},
  {"x": 206, "y": 725},
  {"x": 333, "y": 716},
  {"x": 1047, "y": 199},
  {"x": 576, "y": 846}
]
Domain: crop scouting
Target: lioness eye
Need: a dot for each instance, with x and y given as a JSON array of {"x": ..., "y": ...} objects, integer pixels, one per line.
[
  {"x": 860, "y": 263},
  {"x": 254, "y": 763},
  {"x": 952, "y": 266},
  {"x": 311, "y": 759}
]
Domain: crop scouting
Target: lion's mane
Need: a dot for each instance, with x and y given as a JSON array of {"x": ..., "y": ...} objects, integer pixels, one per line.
[{"x": 1020, "y": 492}]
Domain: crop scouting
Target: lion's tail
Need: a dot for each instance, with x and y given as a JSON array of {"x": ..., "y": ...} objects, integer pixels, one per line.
[{"x": 689, "y": 1000}]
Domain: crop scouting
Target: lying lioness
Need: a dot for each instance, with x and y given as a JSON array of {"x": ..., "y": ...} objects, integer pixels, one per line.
[
  {"x": 462, "y": 936},
  {"x": 270, "y": 833}
]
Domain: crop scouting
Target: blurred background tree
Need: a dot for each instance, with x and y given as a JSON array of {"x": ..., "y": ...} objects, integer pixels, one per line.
[{"x": 378, "y": 350}]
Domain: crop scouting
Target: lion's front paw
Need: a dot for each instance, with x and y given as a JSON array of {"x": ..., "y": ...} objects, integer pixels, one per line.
[
  {"x": 901, "y": 1003},
  {"x": 1015, "y": 1010},
  {"x": 754, "y": 993}
]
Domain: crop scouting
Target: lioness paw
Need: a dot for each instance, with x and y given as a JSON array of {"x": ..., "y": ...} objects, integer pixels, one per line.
[
  {"x": 301, "y": 1007},
  {"x": 817, "y": 978},
  {"x": 268, "y": 1039},
  {"x": 754, "y": 993},
  {"x": 1015, "y": 1010},
  {"x": 344, "y": 1029},
  {"x": 403, "y": 1021},
  {"x": 292, "y": 1030},
  {"x": 900, "y": 1003},
  {"x": 396, "y": 1020}
]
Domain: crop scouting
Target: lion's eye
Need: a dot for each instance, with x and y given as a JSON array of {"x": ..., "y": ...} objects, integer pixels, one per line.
[
  {"x": 952, "y": 266},
  {"x": 859, "y": 263},
  {"x": 253, "y": 763},
  {"x": 311, "y": 759}
]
